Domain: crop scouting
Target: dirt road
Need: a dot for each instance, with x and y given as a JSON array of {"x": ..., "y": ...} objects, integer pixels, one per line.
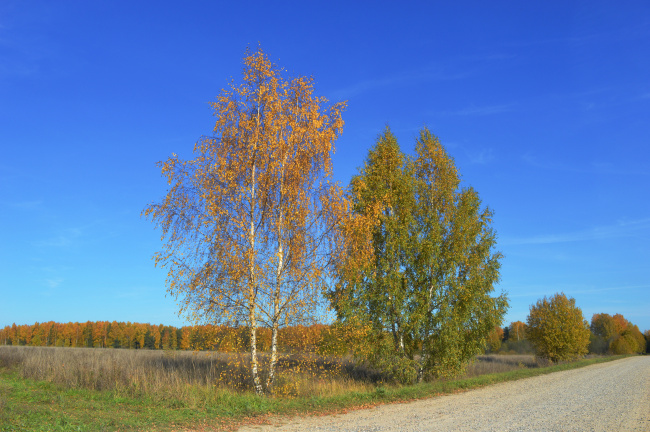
[{"x": 613, "y": 396}]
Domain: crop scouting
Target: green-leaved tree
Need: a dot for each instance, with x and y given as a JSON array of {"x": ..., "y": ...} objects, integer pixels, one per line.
[{"x": 420, "y": 267}]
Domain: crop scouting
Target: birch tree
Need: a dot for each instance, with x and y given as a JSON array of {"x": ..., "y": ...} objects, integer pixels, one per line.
[
  {"x": 516, "y": 331},
  {"x": 372, "y": 279},
  {"x": 249, "y": 222},
  {"x": 420, "y": 263}
]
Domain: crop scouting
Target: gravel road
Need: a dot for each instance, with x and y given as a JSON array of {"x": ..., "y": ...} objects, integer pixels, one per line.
[{"x": 612, "y": 396}]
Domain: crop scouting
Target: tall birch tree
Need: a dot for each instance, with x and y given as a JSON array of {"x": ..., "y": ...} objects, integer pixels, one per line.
[
  {"x": 456, "y": 268},
  {"x": 372, "y": 280},
  {"x": 248, "y": 223},
  {"x": 420, "y": 263}
]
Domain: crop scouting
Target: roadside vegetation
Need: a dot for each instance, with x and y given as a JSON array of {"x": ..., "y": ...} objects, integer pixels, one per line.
[
  {"x": 113, "y": 389},
  {"x": 553, "y": 336}
]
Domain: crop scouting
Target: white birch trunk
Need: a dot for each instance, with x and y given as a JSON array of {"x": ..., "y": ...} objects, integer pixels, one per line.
[
  {"x": 278, "y": 284},
  {"x": 275, "y": 323},
  {"x": 252, "y": 295},
  {"x": 425, "y": 349}
]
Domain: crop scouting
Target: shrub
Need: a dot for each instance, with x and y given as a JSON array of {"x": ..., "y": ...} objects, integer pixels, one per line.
[
  {"x": 517, "y": 347},
  {"x": 494, "y": 340},
  {"x": 630, "y": 341},
  {"x": 623, "y": 345},
  {"x": 557, "y": 329},
  {"x": 597, "y": 344}
]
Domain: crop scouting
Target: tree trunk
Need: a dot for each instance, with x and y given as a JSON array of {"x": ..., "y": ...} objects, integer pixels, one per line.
[
  {"x": 254, "y": 365},
  {"x": 398, "y": 334},
  {"x": 276, "y": 319},
  {"x": 274, "y": 357},
  {"x": 278, "y": 285},
  {"x": 423, "y": 359},
  {"x": 252, "y": 293},
  {"x": 425, "y": 349}
]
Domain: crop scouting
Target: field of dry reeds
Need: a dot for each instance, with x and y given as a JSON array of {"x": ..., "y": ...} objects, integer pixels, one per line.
[
  {"x": 497, "y": 363},
  {"x": 181, "y": 375},
  {"x": 176, "y": 373}
]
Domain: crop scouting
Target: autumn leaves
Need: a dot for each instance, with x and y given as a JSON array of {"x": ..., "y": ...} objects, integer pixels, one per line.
[
  {"x": 256, "y": 230},
  {"x": 250, "y": 221}
]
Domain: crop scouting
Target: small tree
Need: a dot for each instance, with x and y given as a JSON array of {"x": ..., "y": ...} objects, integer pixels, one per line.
[
  {"x": 620, "y": 323},
  {"x": 630, "y": 341},
  {"x": 516, "y": 331},
  {"x": 597, "y": 345},
  {"x": 615, "y": 334},
  {"x": 494, "y": 340},
  {"x": 604, "y": 325},
  {"x": 557, "y": 329},
  {"x": 249, "y": 220},
  {"x": 604, "y": 329}
]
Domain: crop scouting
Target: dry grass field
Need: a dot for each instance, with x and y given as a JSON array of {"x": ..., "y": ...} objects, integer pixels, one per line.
[
  {"x": 497, "y": 363},
  {"x": 178, "y": 374}
]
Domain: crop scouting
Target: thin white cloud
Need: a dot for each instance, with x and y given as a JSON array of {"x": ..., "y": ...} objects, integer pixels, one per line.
[
  {"x": 129, "y": 295},
  {"x": 26, "y": 46},
  {"x": 538, "y": 291},
  {"x": 474, "y": 110},
  {"x": 65, "y": 239},
  {"x": 362, "y": 87},
  {"x": 69, "y": 236},
  {"x": 55, "y": 269},
  {"x": 404, "y": 78},
  {"x": 25, "y": 205},
  {"x": 11, "y": 67},
  {"x": 477, "y": 156},
  {"x": 57, "y": 241},
  {"x": 595, "y": 290},
  {"x": 620, "y": 229},
  {"x": 460, "y": 67},
  {"x": 480, "y": 157},
  {"x": 134, "y": 292},
  {"x": 592, "y": 168},
  {"x": 54, "y": 283}
]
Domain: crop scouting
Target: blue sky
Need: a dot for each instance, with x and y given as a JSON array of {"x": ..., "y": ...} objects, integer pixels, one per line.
[{"x": 545, "y": 107}]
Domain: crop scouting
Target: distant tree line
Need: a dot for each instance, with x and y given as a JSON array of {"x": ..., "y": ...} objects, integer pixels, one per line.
[
  {"x": 105, "y": 334},
  {"x": 606, "y": 334},
  {"x": 616, "y": 335}
]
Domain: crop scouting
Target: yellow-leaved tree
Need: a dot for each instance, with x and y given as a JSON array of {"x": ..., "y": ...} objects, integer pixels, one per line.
[
  {"x": 249, "y": 223},
  {"x": 517, "y": 331},
  {"x": 557, "y": 329}
]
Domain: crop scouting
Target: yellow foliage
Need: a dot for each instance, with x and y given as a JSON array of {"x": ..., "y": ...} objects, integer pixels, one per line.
[
  {"x": 557, "y": 329},
  {"x": 250, "y": 222}
]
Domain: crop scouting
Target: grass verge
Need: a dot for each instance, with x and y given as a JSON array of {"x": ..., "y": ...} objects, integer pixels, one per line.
[{"x": 29, "y": 405}]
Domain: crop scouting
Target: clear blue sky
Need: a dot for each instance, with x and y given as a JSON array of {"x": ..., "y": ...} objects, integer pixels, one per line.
[{"x": 544, "y": 105}]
